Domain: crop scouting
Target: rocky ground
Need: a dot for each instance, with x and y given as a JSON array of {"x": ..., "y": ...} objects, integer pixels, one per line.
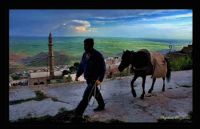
[{"x": 176, "y": 101}]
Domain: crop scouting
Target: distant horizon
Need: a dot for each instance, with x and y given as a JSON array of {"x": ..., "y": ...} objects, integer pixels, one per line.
[{"x": 98, "y": 37}]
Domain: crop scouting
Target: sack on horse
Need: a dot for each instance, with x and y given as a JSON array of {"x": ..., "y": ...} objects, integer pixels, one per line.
[{"x": 159, "y": 65}]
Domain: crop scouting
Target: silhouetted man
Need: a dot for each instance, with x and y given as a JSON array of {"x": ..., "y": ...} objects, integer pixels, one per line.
[{"x": 93, "y": 67}]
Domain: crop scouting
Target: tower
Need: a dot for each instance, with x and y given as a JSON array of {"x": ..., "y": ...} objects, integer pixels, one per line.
[{"x": 51, "y": 57}]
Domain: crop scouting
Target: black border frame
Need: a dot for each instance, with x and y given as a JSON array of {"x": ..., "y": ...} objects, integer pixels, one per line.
[{"x": 92, "y": 4}]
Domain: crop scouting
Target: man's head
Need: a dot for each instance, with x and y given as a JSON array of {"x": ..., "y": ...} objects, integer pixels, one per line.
[{"x": 88, "y": 44}]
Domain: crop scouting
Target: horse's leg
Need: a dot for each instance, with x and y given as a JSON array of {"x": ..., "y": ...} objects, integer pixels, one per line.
[
  {"x": 132, "y": 86},
  {"x": 151, "y": 89},
  {"x": 143, "y": 87},
  {"x": 163, "y": 88}
]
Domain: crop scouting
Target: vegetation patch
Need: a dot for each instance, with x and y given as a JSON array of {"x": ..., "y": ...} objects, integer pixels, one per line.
[
  {"x": 67, "y": 78},
  {"x": 187, "y": 86},
  {"x": 54, "y": 99},
  {"x": 39, "y": 96},
  {"x": 114, "y": 121},
  {"x": 181, "y": 63},
  {"x": 20, "y": 101},
  {"x": 125, "y": 72},
  {"x": 63, "y": 116}
]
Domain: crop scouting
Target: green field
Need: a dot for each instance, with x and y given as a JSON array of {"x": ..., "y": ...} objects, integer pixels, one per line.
[{"x": 73, "y": 46}]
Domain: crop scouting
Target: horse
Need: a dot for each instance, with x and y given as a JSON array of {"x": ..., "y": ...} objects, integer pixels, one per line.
[{"x": 143, "y": 64}]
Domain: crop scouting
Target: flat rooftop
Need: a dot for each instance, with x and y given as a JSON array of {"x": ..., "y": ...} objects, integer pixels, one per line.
[{"x": 44, "y": 74}]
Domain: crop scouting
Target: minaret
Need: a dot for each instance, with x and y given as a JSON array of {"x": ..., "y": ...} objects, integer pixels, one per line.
[{"x": 51, "y": 56}]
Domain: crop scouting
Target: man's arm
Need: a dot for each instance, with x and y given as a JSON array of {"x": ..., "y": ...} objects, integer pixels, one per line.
[
  {"x": 102, "y": 68},
  {"x": 80, "y": 68}
]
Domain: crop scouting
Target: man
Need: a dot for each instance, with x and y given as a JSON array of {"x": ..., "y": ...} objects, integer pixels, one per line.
[{"x": 93, "y": 67}]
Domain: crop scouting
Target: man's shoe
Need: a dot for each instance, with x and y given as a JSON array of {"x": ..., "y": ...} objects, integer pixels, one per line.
[
  {"x": 76, "y": 118},
  {"x": 99, "y": 108},
  {"x": 71, "y": 111}
]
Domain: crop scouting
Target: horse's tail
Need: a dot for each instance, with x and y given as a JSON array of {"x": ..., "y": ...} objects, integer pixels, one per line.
[{"x": 168, "y": 70}]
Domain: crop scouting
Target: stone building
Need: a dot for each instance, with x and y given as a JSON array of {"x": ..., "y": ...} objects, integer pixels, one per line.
[
  {"x": 40, "y": 78},
  {"x": 112, "y": 64}
]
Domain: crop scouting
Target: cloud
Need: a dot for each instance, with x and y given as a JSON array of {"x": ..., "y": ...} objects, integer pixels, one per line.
[
  {"x": 179, "y": 16},
  {"x": 152, "y": 30},
  {"x": 81, "y": 26},
  {"x": 75, "y": 26},
  {"x": 115, "y": 18},
  {"x": 143, "y": 16}
]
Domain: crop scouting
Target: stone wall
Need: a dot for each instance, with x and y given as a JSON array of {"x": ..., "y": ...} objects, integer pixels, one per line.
[{"x": 37, "y": 81}]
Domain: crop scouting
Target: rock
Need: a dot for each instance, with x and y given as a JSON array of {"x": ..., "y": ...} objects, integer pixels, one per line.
[{"x": 187, "y": 50}]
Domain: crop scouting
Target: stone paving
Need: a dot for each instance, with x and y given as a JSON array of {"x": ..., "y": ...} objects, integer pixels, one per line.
[{"x": 120, "y": 104}]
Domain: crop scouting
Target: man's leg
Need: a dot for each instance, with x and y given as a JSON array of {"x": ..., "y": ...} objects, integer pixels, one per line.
[
  {"x": 99, "y": 99},
  {"x": 85, "y": 99}
]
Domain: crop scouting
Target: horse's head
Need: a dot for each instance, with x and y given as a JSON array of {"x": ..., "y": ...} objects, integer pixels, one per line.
[{"x": 125, "y": 60}]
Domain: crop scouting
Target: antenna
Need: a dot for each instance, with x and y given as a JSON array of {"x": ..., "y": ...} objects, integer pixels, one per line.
[{"x": 170, "y": 47}]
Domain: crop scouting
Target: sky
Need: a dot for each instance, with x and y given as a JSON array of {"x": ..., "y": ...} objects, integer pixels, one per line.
[{"x": 132, "y": 23}]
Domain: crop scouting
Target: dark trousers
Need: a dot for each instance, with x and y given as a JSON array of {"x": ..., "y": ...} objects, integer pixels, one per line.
[{"x": 88, "y": 93}]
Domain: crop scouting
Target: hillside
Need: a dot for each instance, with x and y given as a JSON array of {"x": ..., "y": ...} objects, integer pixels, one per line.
[
  {"x": 13, "y": 57},
  {"x": 41, "y": 59}
]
